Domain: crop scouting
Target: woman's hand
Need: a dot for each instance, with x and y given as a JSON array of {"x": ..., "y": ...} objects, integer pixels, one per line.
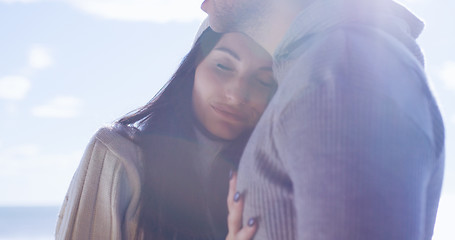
[{"x": 235, "y": 203}]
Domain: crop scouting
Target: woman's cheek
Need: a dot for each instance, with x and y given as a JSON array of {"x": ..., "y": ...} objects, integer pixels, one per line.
[{"x": 210, "y": 84}]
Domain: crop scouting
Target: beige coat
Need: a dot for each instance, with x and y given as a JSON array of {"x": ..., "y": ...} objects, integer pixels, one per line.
[{"x": 102, "y": 201}]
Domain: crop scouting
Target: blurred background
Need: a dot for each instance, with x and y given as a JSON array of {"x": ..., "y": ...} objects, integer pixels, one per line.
[{"x": 68, "y": 67}]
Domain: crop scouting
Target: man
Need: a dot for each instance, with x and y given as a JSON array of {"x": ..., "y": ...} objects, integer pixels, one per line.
[{"x": 352, "y": 144}]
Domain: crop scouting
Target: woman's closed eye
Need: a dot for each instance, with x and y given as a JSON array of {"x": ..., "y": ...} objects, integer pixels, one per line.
[
  {"x": 224, "y": 67},
  {"x": 266, "y": 83}
]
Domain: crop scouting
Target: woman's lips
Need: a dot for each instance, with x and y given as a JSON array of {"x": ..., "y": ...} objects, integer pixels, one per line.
[{"x": 229, "y": 113}]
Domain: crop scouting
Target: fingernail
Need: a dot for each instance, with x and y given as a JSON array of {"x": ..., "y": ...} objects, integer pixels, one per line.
[
  {"x": 231, "y": 173},
  {"x": 236, "y": 197},
  {"x": 251, "y": 222}
]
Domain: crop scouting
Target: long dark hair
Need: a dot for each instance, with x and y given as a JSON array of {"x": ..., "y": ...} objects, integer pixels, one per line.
[{"x": 172, "y": 201}]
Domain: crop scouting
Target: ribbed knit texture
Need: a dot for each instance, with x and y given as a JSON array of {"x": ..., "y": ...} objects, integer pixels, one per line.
[{"x": 352, "y": 144}]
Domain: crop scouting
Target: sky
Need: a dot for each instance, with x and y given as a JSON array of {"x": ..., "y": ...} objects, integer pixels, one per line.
[{"x": 68, "y": 67}]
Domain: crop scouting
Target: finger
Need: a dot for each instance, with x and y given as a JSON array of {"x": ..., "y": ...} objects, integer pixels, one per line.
[
  {"x": 247, "y": 232},
  {"x": 235, "y": 214},
  {"x": 232, "y": 189},
  {"x": 235, "y": 207}
]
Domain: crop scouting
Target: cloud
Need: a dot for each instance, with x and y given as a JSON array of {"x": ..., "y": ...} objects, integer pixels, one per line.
[
  {"x": 59, "y": 107},
  {"x": 448, "y": 74},
  {"x": 137, "y": 10},
  {"x": 18, "y": 1},
  {"x": 28, "y": 175},
  {"x": 39, "y": 57},
  {"x": 14, "y": 87},
  {"x": 443, "y": 229},
  {"x": 410, "y": 1},
  {"x": 452, "y": 119},
  {"x": 20, "y": 152},
  {"x": 143, "y": 10}
]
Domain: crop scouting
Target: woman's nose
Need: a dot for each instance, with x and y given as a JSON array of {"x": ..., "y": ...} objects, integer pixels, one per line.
[{"x": 237, "y": 91}]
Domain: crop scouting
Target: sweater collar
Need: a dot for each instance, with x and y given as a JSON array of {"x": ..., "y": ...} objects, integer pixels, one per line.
[{"x": 209, "y": 144}]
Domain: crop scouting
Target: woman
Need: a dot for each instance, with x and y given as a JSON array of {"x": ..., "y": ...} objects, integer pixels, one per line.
[{"x": 162, "y": 172}]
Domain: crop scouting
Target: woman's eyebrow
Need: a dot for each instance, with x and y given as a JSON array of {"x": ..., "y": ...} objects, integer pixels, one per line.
[{"x": 228, "y": 51}]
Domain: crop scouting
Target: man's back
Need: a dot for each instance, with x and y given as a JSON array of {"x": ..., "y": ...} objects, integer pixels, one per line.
[{"x": 351, "y": 146}]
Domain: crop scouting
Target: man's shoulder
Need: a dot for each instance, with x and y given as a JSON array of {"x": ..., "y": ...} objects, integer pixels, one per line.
[
  {"x": 358, "y": 54},
  {"x": 365, "y": 46}
]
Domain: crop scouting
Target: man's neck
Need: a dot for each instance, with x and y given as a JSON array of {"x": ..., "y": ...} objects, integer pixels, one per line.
[{"x": 272, "y": 30}]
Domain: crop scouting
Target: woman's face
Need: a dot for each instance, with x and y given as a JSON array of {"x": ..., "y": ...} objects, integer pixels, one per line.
[{"x": 232, "y": 86}]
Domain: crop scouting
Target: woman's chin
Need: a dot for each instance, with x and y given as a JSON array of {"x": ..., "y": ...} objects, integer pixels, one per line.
[{"x": 226, "y": 134}]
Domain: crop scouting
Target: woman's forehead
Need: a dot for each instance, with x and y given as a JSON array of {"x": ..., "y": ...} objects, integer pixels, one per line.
[{"x": 242, "y": 46}]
